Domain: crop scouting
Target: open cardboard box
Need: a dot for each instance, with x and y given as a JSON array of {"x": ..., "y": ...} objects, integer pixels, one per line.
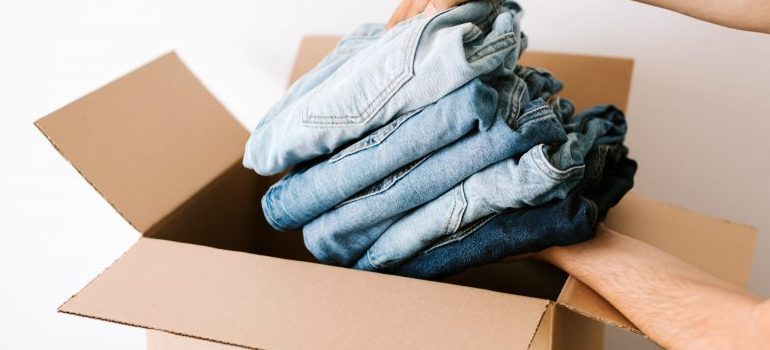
[{"x": 209, "y": 273}]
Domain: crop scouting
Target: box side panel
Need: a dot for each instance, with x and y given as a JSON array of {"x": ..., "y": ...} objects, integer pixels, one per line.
[
  {"x": 268, "y": 303},
  {"x": 719, "y": 247},
  {"x": 227, "y": 214},
  {"x": 572, "y": 331},
  {"x": 543, "y": 339},
  {"x": 157, "y": 340},
  {"x": 149, "y": 140},
  {"x": 588, "y": 80},
  {"x": 582, "y": 300}
]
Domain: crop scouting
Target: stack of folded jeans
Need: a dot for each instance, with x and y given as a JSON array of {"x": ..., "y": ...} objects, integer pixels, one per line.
[{"x": 427, "y": 149}]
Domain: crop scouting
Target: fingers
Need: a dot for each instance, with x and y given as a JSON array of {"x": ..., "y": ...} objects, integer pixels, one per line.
[
  {"x": 445, "y": 4},
  {"x": 416, "y": 8},
  {"x": 400, "y": 13},
  {"x": 410, "y": 8},
  {"x": 406, "y": 9}
]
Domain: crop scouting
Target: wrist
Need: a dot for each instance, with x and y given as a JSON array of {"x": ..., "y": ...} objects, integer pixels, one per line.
[{"x": 564, "y": 256}]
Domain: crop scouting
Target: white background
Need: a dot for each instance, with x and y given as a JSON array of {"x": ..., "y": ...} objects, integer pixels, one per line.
[{"x": 699, "y": 119}]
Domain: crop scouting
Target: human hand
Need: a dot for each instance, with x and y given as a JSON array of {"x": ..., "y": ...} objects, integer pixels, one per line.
[{"x": 409, "y": 8}]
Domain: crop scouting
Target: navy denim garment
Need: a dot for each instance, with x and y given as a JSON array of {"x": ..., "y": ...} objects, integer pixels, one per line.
[
  {"x": 543, "y": 174},
  {"x": 558, "y": 223},
  {"x": 336, "y": 236}
]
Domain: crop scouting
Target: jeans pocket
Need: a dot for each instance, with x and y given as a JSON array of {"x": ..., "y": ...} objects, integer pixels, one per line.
[
  {"x": 358, "y": 90},
  {"x": 461, "y": 234},
  {"x": 374, "y": 139}
]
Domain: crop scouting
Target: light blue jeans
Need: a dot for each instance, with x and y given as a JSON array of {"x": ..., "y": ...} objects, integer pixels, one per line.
[
  {"x": 379, "y": 75},
  {"x": 342, "y": 235},
  {"x": 306, "y": 193},
  {"x": 543, "y": 174}
]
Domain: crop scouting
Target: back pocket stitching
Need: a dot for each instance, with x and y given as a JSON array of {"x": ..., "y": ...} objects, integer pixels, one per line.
[{"x": 378, "y": 102}]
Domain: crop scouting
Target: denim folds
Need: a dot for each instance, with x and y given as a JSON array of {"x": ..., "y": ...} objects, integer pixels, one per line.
[{"x": 375, "y": 75}]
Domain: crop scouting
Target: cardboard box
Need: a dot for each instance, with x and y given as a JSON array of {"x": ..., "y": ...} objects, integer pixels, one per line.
[{"x": 208, "y": 273}]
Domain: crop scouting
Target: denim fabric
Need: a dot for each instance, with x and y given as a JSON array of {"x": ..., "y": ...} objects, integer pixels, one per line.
[
  {"x": 306, "y": 193},
  {"x": 544, "y": 173},
  {"x": 609, "y": 176},
  {"x": 402, "y": 70},
  {"x": 336, "y": 236}
]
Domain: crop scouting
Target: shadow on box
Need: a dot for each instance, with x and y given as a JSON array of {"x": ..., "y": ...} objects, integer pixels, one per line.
[{"x": 227, "y": 214}]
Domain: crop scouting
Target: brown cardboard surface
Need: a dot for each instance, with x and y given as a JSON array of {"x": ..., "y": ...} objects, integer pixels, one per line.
[
  {"x": 562, "y": 329},
  {"x": 157, "y": 340},
  {"x": 543, "y": 338},
  {"x": 268, "y": 303},
  {"x": 588, "y": 80},
  {"x": 149, "y": 140},
  {"x": 719, "y": 247},
  {"x": 573, "y": 331}
]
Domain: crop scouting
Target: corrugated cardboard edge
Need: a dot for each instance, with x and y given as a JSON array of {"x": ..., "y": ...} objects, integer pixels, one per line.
[
  {"x": 61, "y": 309},
  {"x": 82, "y": 175},
  {"x": 544, "y": 329},
  {"x": 627, "y": 325},
  {"x": 538, "y": 310},
  {"x": 131, "y": 116},
  {"x": 42, "y": 130}
]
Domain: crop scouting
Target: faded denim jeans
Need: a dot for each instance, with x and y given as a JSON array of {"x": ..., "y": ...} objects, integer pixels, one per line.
[
  {"x": 608, "y": 177},
  {"x": 306, "y": 193},
  {"x": 309, "y": 191},
  {"x": 342, "y": 235},
  {"x": 378, "y": 75},
  {"x": 543, "y": 174}
]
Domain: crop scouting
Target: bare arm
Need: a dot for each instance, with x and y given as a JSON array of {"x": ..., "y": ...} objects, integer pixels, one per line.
[
  {"x": 675, "y": 304},
  {"x": 752, "y": 15}
]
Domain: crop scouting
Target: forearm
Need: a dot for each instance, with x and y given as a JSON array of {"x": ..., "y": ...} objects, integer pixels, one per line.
[
  {"x": 753, "y": 15},
  {"x": 675, "y": 304}
]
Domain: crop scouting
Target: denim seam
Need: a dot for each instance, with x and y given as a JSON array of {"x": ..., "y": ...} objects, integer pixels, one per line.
[
  {"x": 460, "y": 235},
  {"x": 490, "y": 18},
  {"x": 378, "y": 140},
  {"x": 515, "y": 97},
  {"x": 545, "y": 166},
  {"x": 384, "y": 189},
  {"x": 384, "y": 96},
  {"x": 531, "y": 117},
  {"x": 398, "y": 82},
  {"x": 372, "y": 261},
  {"x": 269, "y": 215},
  {"x": 500, "y": 43},
  {"x": 455, "y": 213}
]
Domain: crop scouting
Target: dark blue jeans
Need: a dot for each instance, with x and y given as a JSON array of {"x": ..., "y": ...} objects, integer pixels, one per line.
[{"x": 609, "y": 176}]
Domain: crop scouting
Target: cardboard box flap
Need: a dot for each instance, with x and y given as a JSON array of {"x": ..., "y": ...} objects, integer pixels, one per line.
[
  {"x": 588, "y": 80},
  {"x": 149, "y": 140},
  {"x": 721, "y": 248},
  {"x": 268, "y": 303}
]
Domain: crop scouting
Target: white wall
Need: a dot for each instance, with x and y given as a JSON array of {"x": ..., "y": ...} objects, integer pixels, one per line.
[{"x": 698, "y": 112}]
